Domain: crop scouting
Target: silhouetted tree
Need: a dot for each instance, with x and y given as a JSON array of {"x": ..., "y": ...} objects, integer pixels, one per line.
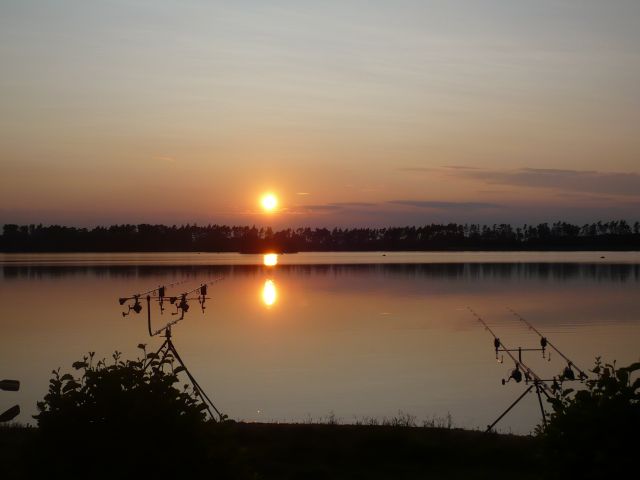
[
  {"x": 592, "y": 433},
  {"x": 614, "y": 235}
]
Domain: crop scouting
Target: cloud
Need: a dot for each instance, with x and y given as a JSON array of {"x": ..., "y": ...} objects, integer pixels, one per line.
[
  {"x": 433, "y": 204},
  {"x": 329, "y": 207},
  {"x": 353, "y": 204},
  {"x": 436, "y": 169},
  {"x": 316, "y": 208},
  {"x": 460, "y": 167},
  {"x": 416, "y": 169},
  {"x": 588, "y": 181}
]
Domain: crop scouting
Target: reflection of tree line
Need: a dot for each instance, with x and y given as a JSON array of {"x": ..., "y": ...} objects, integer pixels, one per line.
[
  {"x": 614, "y": 235},
  {"x": 471, "y": 271}
]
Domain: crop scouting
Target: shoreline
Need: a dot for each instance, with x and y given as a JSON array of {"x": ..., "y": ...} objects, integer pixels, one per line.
[{"x": 315, "y": 450}]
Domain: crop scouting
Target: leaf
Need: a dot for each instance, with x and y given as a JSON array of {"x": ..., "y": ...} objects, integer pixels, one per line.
[
  {"x": 179, "y": 369},
  {"x": 623, "y": 376},
  {"x": 633, "y": 367},
  {"x": 70, "y": 386},
  {"x": 79, "y": 365},
  {"x": 66, "y": 377},
  {"x": 582, "y": 396}
]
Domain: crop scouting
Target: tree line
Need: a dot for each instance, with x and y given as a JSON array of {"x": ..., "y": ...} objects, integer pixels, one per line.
[{"x": 612, "y": 235}]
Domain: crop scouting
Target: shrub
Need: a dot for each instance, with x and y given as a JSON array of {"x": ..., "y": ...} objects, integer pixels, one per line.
[
  {"x": 128, "y": 416},
  {"x": 593, "y": 431},
  {"x": 119, "y": 394}
]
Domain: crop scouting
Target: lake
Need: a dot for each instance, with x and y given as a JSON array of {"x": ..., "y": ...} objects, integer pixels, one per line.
[{"x": 313, "y": 335}]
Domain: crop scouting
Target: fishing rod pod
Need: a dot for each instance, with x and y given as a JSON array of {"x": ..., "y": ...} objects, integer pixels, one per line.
[{"x": 181, "y": 302}]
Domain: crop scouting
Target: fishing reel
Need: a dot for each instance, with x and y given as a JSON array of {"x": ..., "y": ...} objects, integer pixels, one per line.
[
  {"x": 569, "y": 374},
  {"x": 136, "y": 307},
  {"x": 182, "y": 306},
  {"x": 516, "y": 375}
]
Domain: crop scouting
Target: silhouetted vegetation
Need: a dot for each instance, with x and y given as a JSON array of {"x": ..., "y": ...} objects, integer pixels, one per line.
[
  {"x": 130, "y": 417},
  {"x": 116, "y": 394},
  {"x": 295, "y": 451},
  {"x": 613, "y": 235},
  {"x": 593, "y": 432}
]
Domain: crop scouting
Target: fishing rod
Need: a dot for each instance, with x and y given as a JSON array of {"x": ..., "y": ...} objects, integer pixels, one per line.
[
  {"x": 181, "y": 301},
  {"x": 137, "y": 306},
  {"x": 168, "y": 348},
  {"x": 568, "y": 372},
  {"x": 529, "y": 375},
  {"x": 516, "y": 374},
  {"x": 160, "y": 289},
  {"x": 13, "y": 412}
]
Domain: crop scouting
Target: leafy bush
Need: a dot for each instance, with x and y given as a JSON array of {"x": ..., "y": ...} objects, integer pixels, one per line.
[
  {"x": 128, "y": 415},
  {"x": 120, "y": 394},
  {"x": 593, "y": 431}
]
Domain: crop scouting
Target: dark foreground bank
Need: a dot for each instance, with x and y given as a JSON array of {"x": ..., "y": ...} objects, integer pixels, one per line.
[{"x": 280, "y": 451}]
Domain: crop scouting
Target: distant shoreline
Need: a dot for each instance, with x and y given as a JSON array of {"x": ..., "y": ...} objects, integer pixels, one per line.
[
  {"x": 617, "y": 235},
  {"x": 602, "y": 249}
]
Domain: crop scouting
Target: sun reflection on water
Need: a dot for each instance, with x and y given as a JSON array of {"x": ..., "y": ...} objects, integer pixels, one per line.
[{"x": 269, "y": 293}]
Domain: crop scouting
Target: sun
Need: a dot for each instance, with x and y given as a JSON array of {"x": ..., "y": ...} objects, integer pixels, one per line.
[
  {"x": 269, "y": 202},
  {"x": 270, "y": 259}
]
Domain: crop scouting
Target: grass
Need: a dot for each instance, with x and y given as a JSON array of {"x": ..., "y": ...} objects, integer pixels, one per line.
[{"x": 391, "y": 449}]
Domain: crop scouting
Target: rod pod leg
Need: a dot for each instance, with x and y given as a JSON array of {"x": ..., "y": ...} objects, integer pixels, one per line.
[
  {"x": 489, "y": 427},
  {"x": 544, "y": 415}
]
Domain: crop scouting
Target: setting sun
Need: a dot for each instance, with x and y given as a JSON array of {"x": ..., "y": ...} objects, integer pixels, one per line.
[
  {"x": 269, "y": 202},
  {"x": 270, "y": 259}
]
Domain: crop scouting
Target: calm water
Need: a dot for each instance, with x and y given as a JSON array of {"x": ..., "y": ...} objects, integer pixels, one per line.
[{"x": 353, "y": 334}]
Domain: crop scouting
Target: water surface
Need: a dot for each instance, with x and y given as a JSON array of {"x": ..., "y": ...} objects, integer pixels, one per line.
[{"x": 353, "y": 334}]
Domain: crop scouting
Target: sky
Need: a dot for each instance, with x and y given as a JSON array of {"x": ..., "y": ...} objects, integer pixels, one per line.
[{"x": 354, "y": 113}]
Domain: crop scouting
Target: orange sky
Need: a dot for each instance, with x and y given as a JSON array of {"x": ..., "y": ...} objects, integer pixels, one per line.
[{"x": 353, "y": 113}]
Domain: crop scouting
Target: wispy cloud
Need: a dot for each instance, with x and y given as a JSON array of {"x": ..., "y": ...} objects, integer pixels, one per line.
[
  {"x": 436, "y": 169},
  {"x": 460, "y": 167},
  {"x": 416, "y": 169},
  {"x": 333, "y": 207},
  {"x": 353, "y": 204},
  {"x": 433, "y": 204},
  {"x": 315, "y": 208},
  {"x": 588, "y": 181}
]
